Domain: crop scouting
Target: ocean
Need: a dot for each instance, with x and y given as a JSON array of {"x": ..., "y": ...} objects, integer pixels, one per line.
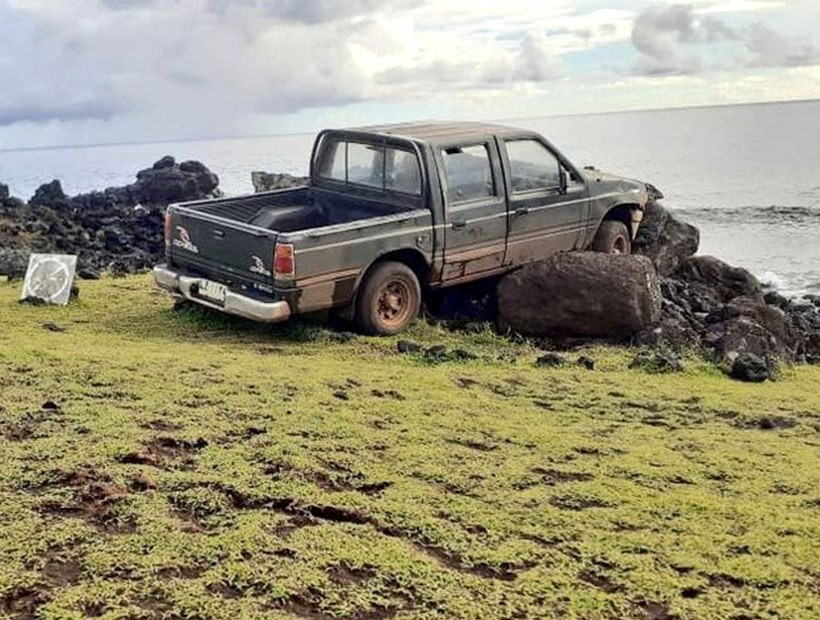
[{"x": 748, "y": 176}]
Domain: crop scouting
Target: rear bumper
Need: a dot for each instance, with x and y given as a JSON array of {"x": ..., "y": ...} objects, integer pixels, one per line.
[{"x": 240, "y": 305}]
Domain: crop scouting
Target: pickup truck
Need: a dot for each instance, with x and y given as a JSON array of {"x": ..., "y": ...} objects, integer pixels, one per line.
[{"x": 389, "y": 212}]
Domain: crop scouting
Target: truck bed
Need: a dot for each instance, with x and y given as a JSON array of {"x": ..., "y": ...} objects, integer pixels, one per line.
[
  {"x": 232, "y": 240},
  {"x": 293, "y": 210}
]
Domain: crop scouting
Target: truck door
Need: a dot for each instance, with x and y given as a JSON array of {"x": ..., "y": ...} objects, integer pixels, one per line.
[
  {"x": 544, "y": 217},
  {"x": 475, "y": 233}
]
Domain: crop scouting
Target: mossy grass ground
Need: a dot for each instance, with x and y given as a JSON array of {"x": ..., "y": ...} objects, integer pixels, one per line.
[{"x": 180, "y": 464}]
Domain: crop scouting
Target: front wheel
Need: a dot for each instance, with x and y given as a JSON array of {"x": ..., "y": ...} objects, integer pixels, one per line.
[
  {"x": 389, "y": 300},
  {"x": 612, "y": 238}
]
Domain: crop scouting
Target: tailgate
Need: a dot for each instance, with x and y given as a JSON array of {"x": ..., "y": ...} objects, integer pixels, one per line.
[{"x": 229, "y": 252}]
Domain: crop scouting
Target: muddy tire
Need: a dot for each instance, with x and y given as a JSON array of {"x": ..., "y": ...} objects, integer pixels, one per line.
[
  {"x": 389, "y": 300},
  {"x": 612, "y": 238}
]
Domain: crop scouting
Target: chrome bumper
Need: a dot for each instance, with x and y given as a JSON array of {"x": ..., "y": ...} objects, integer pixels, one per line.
[{"x": 240, "y": 305}]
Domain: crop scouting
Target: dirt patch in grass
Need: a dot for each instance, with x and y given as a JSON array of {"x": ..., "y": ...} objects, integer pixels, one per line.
[
  {"x": 20, "y": 431},
  {"x": 394, "y": 394},
  {"x": 182, "y": 572},
  {"x": 22, "y": 604},
  {"x": 578, "y": 502},
  {"x": 165, "y": 453},
  {"x": 481, "y": 446},
  {"x": 654, "y": 611},
  {"x": 225, "y": 590},
  {"x": 554, "y": 476},
  {"x": 162, "y": 426},
  {"x": 304, "y": 606},
  {"x": 600, "y": 581},
  {"x": 294, "y": 523},
  {"x": 343, "y": 574},
  {"x": 95, "y": 497},
  {"x": 61, "y": 572}
]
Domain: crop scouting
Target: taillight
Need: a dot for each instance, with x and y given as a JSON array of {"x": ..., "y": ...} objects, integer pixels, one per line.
[
  {"x": 283, "y": 266},
  {"x": 168, "y": 227}
]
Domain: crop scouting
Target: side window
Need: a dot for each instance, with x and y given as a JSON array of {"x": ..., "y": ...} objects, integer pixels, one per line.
[
  {"x": 334, "y": 162},
  {"x": 403, "y": 174},
  {"x": 532, "y": 166},
  {"x": 469, "y": 174},
  {"x": 365, "y": 164}
]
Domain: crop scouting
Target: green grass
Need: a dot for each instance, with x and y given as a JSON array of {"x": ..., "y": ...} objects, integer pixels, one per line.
[{"x": 195, "y": 466}]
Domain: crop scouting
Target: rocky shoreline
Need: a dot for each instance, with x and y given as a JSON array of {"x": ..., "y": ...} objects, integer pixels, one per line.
[
  {"x": 119, "y": 229},
  {"x": 705, "y": 303}
]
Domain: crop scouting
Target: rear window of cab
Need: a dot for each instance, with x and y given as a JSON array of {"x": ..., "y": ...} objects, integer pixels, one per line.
[{"x": 375, "y": 166}]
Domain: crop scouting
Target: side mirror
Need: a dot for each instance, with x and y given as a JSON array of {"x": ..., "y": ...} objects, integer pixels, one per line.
[{"x": 563, "y": 181}]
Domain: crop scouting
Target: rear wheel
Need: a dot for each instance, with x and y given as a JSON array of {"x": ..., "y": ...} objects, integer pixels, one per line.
[
  {"x": 612, "y": 238},
  {"x": 389, "y": 300}
]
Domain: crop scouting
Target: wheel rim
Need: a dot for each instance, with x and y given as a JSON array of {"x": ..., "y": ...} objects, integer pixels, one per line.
[
  {"x": 394, "y": 303},
  {"x": 619, "y": 247}
]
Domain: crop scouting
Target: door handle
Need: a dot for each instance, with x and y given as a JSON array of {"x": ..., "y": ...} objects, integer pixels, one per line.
[
  {"x": 522, "y": 211},
  {"x": 459, "y": 223}
]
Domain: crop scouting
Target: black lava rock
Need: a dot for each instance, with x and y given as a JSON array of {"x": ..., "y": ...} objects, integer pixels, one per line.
[
  {"x": 405, "y": 346},
  {"x": 550, "y": 360},
  {"x": 750, "y": 368}
]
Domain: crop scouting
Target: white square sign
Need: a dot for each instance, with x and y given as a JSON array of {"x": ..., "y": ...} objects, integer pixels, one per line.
[{"x": 49, "y": 277}]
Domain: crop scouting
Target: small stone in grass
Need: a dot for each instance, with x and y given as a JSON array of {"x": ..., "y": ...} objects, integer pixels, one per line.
[
  {"x": 586, "y": 362},
  {"x": 405, "y": 346},
  {"x": 550, "y": 360}
]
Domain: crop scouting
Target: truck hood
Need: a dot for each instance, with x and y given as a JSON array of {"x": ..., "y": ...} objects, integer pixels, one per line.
[{"x": 604, "y": 183}]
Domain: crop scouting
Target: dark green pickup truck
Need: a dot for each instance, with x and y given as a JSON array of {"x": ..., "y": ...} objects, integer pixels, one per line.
[{"x": 390, "y": 211}]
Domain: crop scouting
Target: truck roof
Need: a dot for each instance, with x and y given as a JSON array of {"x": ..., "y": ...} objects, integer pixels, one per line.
[{"x": 439, "y": 131}]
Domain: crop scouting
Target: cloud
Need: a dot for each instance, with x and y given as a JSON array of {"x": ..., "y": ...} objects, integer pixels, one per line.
[
  {"x": 673, "y": 40},
  {"x": 769, "y": 49},
  {"x": 126, "y": 4},
  {"x": 154, "y": 69},
  {"x": 665, "y": 35},
  {"x": 493, "y": 66},
  {"x": 39, "y": 111},
  {"x": 308, "y": 11}
]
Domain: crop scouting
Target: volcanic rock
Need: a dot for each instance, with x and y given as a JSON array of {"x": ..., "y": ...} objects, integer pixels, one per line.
[
  {"x": 751, "y": 368},
  {"x": 269, "y": 181},
  {"x": 584, "y": 294},
  {"x": 120, "y": 228},
  {"x": 716, "y": 277},
  {"x": 51, "y": 195},
  {"x": 665, "y": 239}
]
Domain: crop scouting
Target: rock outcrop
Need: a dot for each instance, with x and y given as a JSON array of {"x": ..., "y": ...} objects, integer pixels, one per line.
[
  {"x": 724, "y": 311},
  {"x": 269, "y": 181},
  {"x": 581, "y": 294},
  {"x": 665, "y": 239},
  {"x": 120, "y": 228}
]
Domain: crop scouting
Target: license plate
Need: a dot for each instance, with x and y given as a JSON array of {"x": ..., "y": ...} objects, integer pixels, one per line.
[{"x": 212, "y": 290}]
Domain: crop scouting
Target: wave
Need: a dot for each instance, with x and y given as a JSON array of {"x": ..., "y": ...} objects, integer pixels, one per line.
[{"x": 753, "y": 214}]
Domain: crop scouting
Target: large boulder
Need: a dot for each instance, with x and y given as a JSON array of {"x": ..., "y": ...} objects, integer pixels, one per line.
[
  {"x": 665, "y": 239},
  {"x": 581, "y": 294},
  {"x": 269, "y": 181},
  {"x": 718, "y": 278}
]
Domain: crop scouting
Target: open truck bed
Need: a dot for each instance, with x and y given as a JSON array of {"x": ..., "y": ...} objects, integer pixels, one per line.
[{"x": 292, "y": 210}]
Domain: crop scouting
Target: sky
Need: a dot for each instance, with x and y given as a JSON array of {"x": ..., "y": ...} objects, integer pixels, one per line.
[{"x": 102, "y": 71}]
